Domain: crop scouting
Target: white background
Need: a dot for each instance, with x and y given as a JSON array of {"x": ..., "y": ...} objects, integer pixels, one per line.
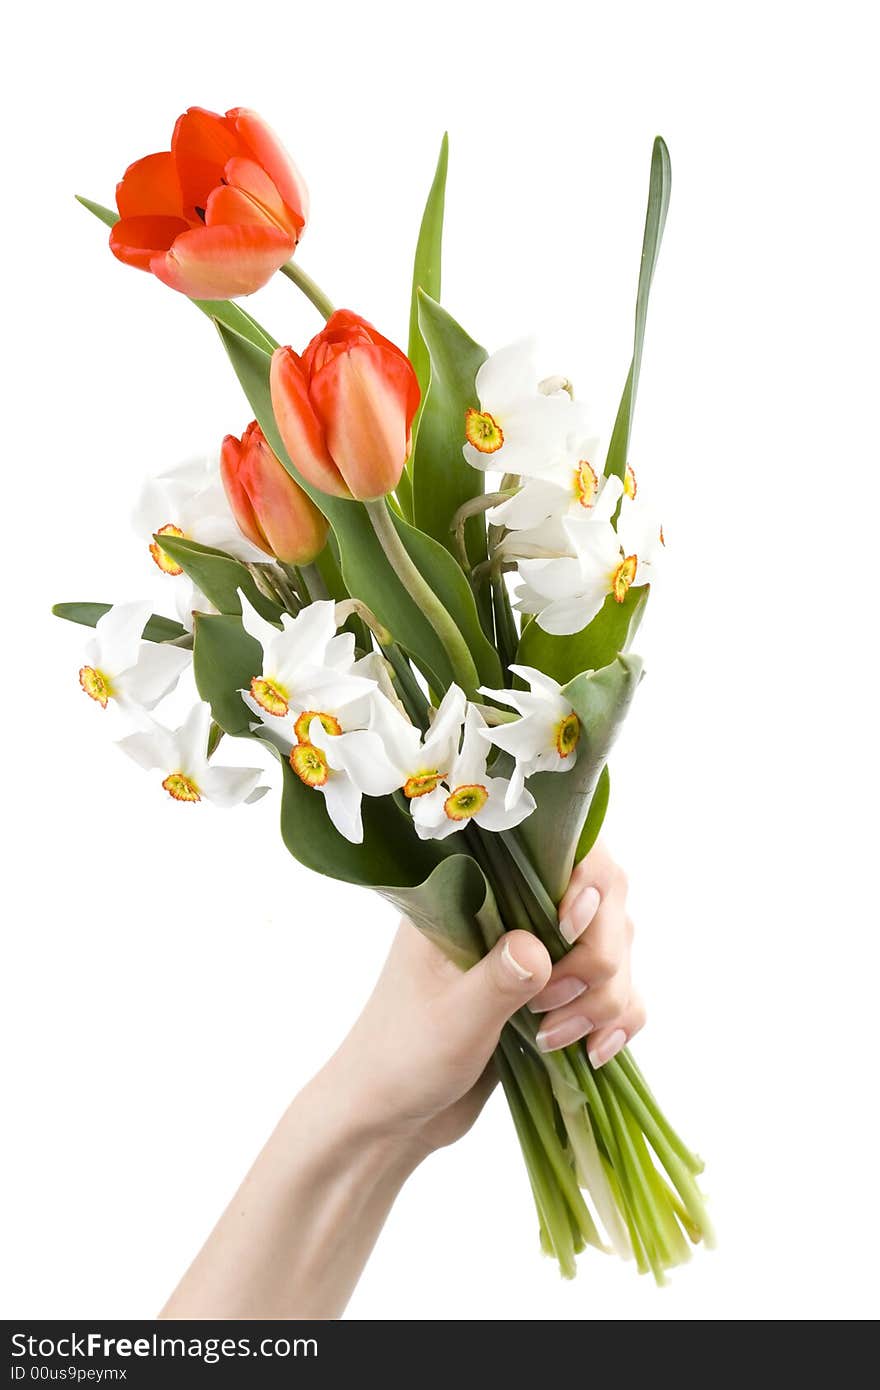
[{"x": 171, "y": 977}]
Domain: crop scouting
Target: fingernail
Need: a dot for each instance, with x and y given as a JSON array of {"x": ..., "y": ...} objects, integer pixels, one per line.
[
  {"x": 608, "y": 1049},
  {"x": 519, "y": 970},
  {"x": 587, "y": 904},
  {"x": 557, "y": 993},
  {"x": 568, "y": 1030}
]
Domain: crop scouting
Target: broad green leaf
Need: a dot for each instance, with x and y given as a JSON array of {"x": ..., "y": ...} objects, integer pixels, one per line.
[
  {"x": 365, "y": 569},
  {"x": 223, "y": 309},
  {"x": 442, "y": 479},
  {"x": 611, "y": 631},
  {"x": 445, "y": 894},
  {"x": 218, "y": 576},
  {"x": 158, "y": 629},
  {"x": 427, "y": 266},
  {"x": 552, "y": 832},
  {"x": 595, "y": 816},
  {"x": 225, "y": 657},
  {"x": 655, "y": 220}
]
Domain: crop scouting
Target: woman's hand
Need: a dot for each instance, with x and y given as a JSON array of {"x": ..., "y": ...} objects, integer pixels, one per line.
[
  {"x": 419, "y": 1055},
  {"x": 411, "y": 1076}
]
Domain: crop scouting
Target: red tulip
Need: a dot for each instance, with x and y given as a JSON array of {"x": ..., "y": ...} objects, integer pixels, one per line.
[
  {"x": 217, "y": 214},
  {"x": 271, "y": 509},
  {"x": 345, "y": 408}
]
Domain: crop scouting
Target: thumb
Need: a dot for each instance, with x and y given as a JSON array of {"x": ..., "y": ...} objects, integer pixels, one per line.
[{"x": 517, "y": 967}]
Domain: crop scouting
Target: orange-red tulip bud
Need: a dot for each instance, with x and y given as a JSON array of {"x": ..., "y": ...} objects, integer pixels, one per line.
[
  {"x": 345, "y": 408},
  {"x": 271, "y": 509},
  {"x": 217, "y": 214}
]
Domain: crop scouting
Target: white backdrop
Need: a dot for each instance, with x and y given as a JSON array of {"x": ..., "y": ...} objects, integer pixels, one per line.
[{"x": 171, "y": 977}]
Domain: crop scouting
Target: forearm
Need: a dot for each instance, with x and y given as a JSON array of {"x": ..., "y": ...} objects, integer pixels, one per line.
[{"x": 294, "y": 1239}]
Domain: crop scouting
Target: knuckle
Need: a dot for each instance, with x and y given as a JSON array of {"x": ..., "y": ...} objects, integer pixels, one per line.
[
  {"x": 608, "y": 1002},
  {"x": 638, "y": 1017},
  {"x": 621, "y": 880},
  {"x": 603, "y": 964}
]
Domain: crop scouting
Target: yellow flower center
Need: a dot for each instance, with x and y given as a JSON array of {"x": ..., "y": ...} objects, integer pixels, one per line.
[
  {"x": 585, "y": 484},
  {"x": 423, "y": 782},
  {"x": 161, "y": 557},
  {"x": 181, "y": 787},
  {"x": 623, "y": 577},
  {"x": 465, "y": 802},
  {"x": 630, "y": 486},
  {"x": 329, "y": 724},
  {"x": 483, "y": 431},
  {"x": 269, "y": 695},
  {"x": 309, "y": 764},
  {"x": 96, "y": 685},
  {"x": 567, "y": 733}
]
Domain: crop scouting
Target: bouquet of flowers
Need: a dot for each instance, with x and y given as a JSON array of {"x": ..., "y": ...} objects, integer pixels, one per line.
[{"x": 412, "y": 582}]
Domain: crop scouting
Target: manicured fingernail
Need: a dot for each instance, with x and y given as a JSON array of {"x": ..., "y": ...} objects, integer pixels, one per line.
[
  {"x": 557, "y": 993},
  {"x": 584, "y": 909},
  {"x": 519, "y": 970},
  {"x": 568, "y": 1030},
  {"x": 608, "y": 1049}
]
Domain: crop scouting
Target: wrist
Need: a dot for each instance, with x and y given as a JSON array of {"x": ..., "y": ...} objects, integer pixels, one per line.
[{"x": 361, "y": 1128}]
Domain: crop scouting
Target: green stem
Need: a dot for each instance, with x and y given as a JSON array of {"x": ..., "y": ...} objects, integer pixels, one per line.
[
  {"x": 423, "y": 596},
  {"x": 312, "y": 292},
  {"x": 413, "y": 696},
  {"x": 314, "y": 581}
]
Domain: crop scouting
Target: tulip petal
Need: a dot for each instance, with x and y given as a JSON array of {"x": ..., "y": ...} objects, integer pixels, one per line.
[
  {"x": 231, "y": 455},
  {"x": 362, "y": 397},
  {"x": 299, "y": 425},
  {"x": 138, "y": 240},
  {"x": 246, "y": 178},
  {"x": 150, "y": 188},
  {"x": 222, "y": 262},
  {"x": 201, "y": 144},
  {"x": 267, "y": 149}
]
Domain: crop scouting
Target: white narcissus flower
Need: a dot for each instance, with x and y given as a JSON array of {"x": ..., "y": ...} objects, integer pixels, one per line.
[
  {"x": 468, "y": 793},
  {"x": 345, "y": 767},
  {"x": 517, "y": 428},
  {"x": 121, "y": 667},
  {"x": 307, "y": 672},
  {"x": 545, "y": 738},
  {"x": 572, "y": 487},
  {"x": 181, "y": 756},
  {"x": 190, "y": 501},
  {"x": 565, "y": 594},
  {"x": 422, "y": 761}
]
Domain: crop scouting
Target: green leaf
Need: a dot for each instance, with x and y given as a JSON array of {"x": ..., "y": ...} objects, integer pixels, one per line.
[
  {"x": 552, "y": 832},
  {"x": 224, "y": 309},
  {"x": 365, "y": 569},
  {"x": 219, "y": 576},
  {"x": 595, "y": 816},
  {"x": 655, "y": 220},
  {"x": 444, "y": 894},
  {"x": 442, "y": 479},
  {"x": 225, "y": 657},
  {"x": 611, "y": 631},
  {"x": 158, "y": 629},
  {"x": 427, "y": 265}
]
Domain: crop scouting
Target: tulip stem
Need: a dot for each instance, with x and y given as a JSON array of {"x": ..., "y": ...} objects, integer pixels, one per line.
[
  {"x": 312, "y": 292},
  {"x": 463, "y": 669}
]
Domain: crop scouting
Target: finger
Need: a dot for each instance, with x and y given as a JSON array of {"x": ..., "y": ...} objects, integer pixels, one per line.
[
  {"x": 597, "y": 956},
  {"x": 606, "y": 1042},
  {"x": 593, "y": 882},
  {"x": 486, "y": 996},
  {"x": 594, "y": 1009}
]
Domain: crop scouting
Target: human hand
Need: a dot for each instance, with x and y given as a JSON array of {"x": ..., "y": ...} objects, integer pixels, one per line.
[{"x": 419, "y": 1056}]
